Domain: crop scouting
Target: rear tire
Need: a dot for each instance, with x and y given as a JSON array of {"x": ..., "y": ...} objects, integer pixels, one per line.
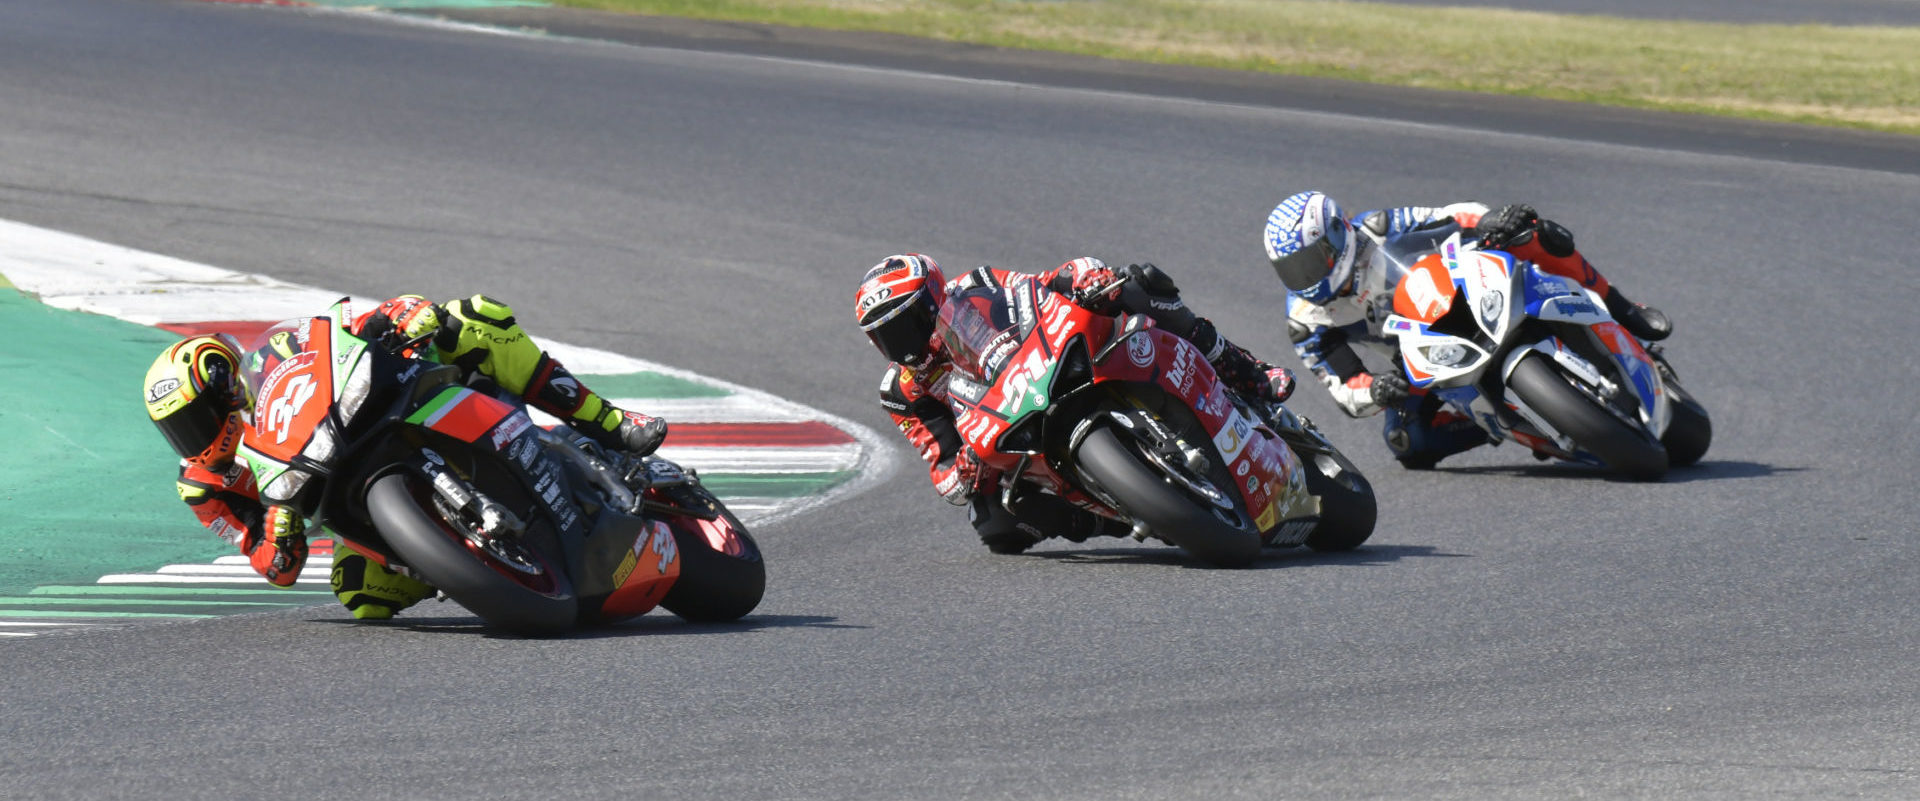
[
  {"x": 402, "y": 509},
  {"x": 714, "y": 587},
  {"x": 1170, "y": 511},
  {"x": 1620, "y": 446},
  {"x": 1689, "y": 432},
  {"x": 1347, "y": 508}
]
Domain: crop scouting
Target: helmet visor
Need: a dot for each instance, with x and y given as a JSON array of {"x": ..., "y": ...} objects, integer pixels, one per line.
[
  {"x": 1312, "y": 263},
  {"x": 905, "y": 333},
  {"x": 193, "y": 427}
]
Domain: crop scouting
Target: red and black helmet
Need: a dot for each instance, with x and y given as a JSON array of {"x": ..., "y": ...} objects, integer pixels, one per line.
[{"x": 897, "y": 305}]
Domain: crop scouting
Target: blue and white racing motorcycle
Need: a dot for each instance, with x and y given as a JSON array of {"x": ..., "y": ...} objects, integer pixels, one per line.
[{"x": 1535, "y": 358}]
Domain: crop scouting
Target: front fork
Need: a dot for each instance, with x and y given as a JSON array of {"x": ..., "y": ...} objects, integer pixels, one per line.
[{"x": 484, "y": 518}]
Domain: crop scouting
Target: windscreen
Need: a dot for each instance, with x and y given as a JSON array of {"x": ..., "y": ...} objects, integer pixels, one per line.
[{"x": 978, "y": 328}]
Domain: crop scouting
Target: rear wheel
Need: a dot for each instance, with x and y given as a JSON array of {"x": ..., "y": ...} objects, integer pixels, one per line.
[
  {"x": 721, "y": 574},
  {"x": 1173, "y": 513},
  {"x": 1620, "y": 446},
  {"x": 1689, "y": 432},
  {"x": 512, "y": 585},
  {"x": 1347, "y": 506}
]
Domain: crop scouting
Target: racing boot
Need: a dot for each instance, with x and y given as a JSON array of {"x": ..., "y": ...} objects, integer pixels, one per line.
[
  {"x": 1645, "y": 322},
  {"x": 1419, "y": 441},
  {"x": 370, "y": 590},
  {"x": 618, "y": 429}
]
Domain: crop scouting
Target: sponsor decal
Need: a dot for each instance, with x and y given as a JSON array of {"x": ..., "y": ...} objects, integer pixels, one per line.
[
  {"x": 1266, "y": 518},
  {"x": 515, "y": 425},
  {"x": 161, "y": 389},
  {"x": 291, "y": 400},
  {"x": 567, "y": 389},
  {"x": 1022, "y": 381},
  {"x": 1232, "y": 438},
  {"x": 1166, "y": 305},
  {"x": 1243, "y": 468},
  {"x": 628, "y": 562},
  {"x": 664, "y": 545},
  {"x": 873, "y": 298},
  {"x": 1022, "y": 308},
  {"x": 998, "y": 351},
  {"x": 523, "y": 451},
  {"x": 1140, "y": 349},
  {"x": 1181, "y": 373},
  {"x": 1057, "y": 314},
  {"x": 226, "y": 531}
]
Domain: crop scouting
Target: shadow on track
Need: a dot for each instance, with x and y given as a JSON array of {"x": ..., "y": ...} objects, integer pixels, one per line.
[
  {"x": 661, "y": 625},
  {"x": 1703, "y": 471},
  {"x": 1269, "y": 560}
]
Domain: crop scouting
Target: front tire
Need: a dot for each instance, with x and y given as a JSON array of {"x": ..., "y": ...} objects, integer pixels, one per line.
[
  {"x": 402, "y": 508},
  {"x": 1620, "y": 446},
  {"x": 1170, "y": 511}
]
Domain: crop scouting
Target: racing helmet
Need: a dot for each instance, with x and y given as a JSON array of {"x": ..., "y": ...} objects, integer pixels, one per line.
[
  {"x": 897, "y": 305},
  {"x": 1310, "y": 244},
  {"x": 193, "y": 395}
]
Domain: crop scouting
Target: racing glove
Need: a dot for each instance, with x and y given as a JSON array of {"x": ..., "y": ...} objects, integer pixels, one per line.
[
  {"x": 641, "y": 434},
  {"x": 281, "y": 549},
  {"x": 957, "y": 480},
  {"x": 1091, "y": 275},
  {"x": 1365, "y": 394},
  {"x": 1280, "y": 381},
  {"x": 1508, "y": 227}
]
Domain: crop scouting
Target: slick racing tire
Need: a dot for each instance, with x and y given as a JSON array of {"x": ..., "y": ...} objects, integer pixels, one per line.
[
  {"x": 532, "y": 597},
  {"x": 1620, "y": 446},
  {"x": 1347, "y": 506},
  {"x": 1172, "y": 513},
  {"x": 715, "y": 585}
]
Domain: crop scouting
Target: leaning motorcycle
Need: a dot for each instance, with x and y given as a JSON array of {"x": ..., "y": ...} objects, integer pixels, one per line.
[
  {"x": 1128, "y": 421},
  {"x": 1533, "y": 357},
  {"x": 536, "y": 530}
]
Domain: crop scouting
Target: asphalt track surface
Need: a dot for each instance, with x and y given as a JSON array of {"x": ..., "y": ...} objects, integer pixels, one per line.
[{"x": 1513, "y": 630}]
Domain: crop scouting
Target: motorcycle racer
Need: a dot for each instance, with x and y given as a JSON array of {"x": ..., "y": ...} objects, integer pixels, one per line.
[
  {"x": 1323, "y": 258},
  {"x": 195, "y": 397},
  {"x": 897, "y": 306}
]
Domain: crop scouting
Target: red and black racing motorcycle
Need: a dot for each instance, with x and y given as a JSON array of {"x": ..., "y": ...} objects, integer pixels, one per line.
[
  {"x": 535, "y": 530},
  {"x": 1129, "y": 421}
]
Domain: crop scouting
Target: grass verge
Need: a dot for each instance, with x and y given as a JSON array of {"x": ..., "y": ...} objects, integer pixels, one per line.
[{"x": 1861, "y": 77}]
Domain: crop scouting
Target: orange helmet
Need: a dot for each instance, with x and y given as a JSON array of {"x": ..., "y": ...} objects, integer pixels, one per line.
[
  {"x": 193, "y": 397},
  {"x": 897, "y": 305}
]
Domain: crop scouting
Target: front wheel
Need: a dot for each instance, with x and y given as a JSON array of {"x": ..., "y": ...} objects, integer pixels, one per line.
[
  {"x": 514, "y": 585},
  {"x": 1620, "y": 446},
  {"x": 1170, "y": 511}
]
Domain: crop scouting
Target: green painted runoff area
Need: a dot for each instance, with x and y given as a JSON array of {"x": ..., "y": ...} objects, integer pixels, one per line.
[
  {"x": 86, "y": 484},
  {"x": 649, "y": 385}
]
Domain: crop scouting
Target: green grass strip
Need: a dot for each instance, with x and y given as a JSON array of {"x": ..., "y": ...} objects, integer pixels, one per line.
[
  {"x": 650, "y": 385},
  {"x": 1855, "y": 76},
  {"x": 772, "y": 485}
]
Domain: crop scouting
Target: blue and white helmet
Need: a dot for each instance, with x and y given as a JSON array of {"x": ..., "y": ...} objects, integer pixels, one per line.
[{"x": 1310, "y": 244}]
